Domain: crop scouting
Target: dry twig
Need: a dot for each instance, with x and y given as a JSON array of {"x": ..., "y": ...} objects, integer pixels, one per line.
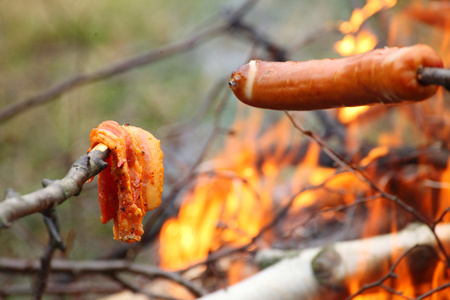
[{"x": 55, "y": 242}]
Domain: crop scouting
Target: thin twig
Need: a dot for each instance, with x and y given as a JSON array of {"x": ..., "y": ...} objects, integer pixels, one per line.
[
  {"x": 390, "y": 274},
  {"x": 277, "y": 218},
  {"x": 431, "y": 292},
  {"x": 312, "y": 37},
  {"x": 136, "y": 289},
  {"x": 56, "y": 192},
  {"x": 337, "y": 208},
  {"x": 275, "y": 51},
  {"x": 42, "y": 276},
  {"x": 55, "y": 242},
  {"x": 180, "y": 128}
]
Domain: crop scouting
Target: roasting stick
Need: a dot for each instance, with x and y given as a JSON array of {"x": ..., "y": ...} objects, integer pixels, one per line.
[
  {"x": 102, "y": 148},
  {"x": 436, "y": 76},
  {"x": 389, "y": 76}
]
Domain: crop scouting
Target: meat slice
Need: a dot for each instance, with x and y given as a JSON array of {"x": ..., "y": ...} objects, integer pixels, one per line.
[{"x": 132, "y": 183}]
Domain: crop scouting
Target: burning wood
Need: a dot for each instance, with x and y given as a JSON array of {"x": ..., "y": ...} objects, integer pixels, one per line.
[
  {"x": 386, "y": 76},
  {"x": 328, "y": 272}
]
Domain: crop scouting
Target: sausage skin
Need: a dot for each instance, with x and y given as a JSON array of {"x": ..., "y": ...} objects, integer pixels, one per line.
[{"x": 386, "y": 75}]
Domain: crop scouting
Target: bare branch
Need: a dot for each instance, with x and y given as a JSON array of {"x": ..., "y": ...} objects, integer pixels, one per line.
[
  {"x": 87, "y": 166},
  {"x": 126, "y": 65},
  {"x": 431, "y": 292},
  {"x": 77, "y": 268},
  {"x": 136, "y": 289},
  {"x": 390, "y": 274},
  {"x": 55, "y": 242},
  {"x": 42, "y": 277}
]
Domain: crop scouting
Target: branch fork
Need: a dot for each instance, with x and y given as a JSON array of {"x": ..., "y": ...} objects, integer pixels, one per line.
[{"x": 54, "y": 192}]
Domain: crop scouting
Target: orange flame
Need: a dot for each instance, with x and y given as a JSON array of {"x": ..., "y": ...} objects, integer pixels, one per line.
[
  {"x": 359, "y": 16},
  {"x": 349, "y": 114},
  {"x": 233, "y": 200},
  {"x": 228, "y": 207},
  {"x": 355, "y": 40},
  {"x": 235, "y": 197},
  {"x": 213, "y": 214}
]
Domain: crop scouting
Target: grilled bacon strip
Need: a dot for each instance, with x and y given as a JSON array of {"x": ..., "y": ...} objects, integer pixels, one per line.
[
  {"x": 386, "y": 75},
  {"x": 132, "y": 183}
]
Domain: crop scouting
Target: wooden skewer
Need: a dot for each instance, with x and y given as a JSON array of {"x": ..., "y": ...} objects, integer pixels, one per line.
[
  {"x": 437, "y": 76},
  {"x": 100, "y": 147}
]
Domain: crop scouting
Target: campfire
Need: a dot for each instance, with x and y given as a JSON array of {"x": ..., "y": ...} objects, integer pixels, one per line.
[
  {"x": 364, "y": 197},
  {"x": 331, "y": 182}
]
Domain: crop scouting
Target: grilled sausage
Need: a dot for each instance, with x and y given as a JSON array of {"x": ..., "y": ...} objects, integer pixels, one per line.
[{"x": 386, "y": 76}]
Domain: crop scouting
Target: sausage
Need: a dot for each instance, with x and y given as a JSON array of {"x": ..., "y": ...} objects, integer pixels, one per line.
[
  {"x": 132, "y": 183},
  {"x": 386, "y": 76}
]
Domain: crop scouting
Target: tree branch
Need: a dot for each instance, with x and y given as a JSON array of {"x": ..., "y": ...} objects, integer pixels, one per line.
[
  {"x": 126, "y": 64},
  {"x": 55, "y": 242},
  {"x": 56, "y": 192},
  {"x": 107, "y": 267},
  {"x": 138, "y": 290}
]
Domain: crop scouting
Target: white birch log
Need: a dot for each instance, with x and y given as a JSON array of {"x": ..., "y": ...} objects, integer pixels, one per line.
[{"x": 294, "y": 278}]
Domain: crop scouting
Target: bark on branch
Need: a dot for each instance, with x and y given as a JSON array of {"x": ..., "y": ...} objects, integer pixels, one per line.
[
  {"x": 55, "y": 192},
  {"x": 310, "y": 274}
]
